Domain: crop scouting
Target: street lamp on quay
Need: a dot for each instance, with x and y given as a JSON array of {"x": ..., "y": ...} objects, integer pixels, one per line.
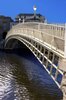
[
  {"x": 34, "y": 8},
  {"x": 19, "y": 20}
]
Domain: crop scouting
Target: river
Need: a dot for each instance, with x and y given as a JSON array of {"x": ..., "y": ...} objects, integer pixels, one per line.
[{"x": 22, "y": 77}]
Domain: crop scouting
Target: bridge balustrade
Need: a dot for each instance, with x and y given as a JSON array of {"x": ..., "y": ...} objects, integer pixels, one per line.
[
  {"x": 42, "y": 36},
  {"x": 55, "y": 30}
]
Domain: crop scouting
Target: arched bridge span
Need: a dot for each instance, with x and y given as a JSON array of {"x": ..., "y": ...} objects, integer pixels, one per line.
[{"x": 47, "y": 47}]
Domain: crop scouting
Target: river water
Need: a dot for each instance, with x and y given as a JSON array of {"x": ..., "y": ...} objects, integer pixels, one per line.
[{"x": 22, "y": 77}]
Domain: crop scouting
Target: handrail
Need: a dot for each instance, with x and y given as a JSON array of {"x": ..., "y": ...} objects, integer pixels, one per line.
[
  {"x": 50, "y": 24},
  {"x": 52, "y": 29},
  {"x": 43, "y": 36}
]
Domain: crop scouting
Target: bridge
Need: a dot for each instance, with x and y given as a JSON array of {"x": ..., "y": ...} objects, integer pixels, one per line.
[{"x": 48, "y": 43}]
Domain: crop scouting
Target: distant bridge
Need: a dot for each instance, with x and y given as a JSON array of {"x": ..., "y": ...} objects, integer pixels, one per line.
[{"x": 48, "y": 43}]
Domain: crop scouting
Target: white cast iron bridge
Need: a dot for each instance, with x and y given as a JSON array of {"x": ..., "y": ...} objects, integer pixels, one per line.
[{"x": 48, "y": 43}]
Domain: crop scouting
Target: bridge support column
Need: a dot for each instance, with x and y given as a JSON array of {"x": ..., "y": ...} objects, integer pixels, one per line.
[{"x": 62, "y": 66}]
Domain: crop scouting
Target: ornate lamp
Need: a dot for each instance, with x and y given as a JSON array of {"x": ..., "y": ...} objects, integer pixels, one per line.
[
  {"x": 34, "y": 8},
  {"x": 19, "y": 20}
]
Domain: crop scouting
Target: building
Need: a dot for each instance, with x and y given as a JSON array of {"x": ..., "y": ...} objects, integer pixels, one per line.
[
  {"x": 29, "y": 18},
  {"x": 4, "y": 25}
]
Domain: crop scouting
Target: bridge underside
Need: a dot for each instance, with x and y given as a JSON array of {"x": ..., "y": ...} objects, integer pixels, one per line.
[
  {"x": 46, "y": 57},
  {"x": 15, "y": 44}
]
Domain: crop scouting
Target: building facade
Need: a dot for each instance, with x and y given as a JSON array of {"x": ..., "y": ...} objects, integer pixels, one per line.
[
  {"x": 30, "y": 18},
  {"x": 4, "y": 25}
]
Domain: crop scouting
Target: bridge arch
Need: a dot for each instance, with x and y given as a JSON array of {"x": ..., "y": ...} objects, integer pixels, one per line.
[
  {"x": 45, "y": 56},
  {"x": 47, "y": 43},
  {"x": 14, "y": 43}
]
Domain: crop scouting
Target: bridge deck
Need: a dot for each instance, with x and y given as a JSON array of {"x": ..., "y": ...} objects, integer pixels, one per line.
[{"x": 51, "y": 34}]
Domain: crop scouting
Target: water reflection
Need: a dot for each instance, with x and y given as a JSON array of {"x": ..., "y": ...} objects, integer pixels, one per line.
[
  {"x": 24, "y": 78},
  {"x": 11, "y": 86}
]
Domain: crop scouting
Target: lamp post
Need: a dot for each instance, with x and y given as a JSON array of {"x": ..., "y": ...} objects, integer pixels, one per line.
[
  {"x": 34, "y": 8},
  {"x": 19, "y": 20}
]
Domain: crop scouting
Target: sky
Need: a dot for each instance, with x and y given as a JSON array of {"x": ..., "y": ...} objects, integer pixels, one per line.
[{"x": 53, "y": 10}]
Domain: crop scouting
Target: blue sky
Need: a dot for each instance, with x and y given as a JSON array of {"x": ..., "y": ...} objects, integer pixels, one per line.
[{"x": 53, "y": 10}]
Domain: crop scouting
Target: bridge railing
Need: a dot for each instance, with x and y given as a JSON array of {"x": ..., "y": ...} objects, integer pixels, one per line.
[
  {"x": 55, "y": 30},
  {"x": 42, "y": 36}
]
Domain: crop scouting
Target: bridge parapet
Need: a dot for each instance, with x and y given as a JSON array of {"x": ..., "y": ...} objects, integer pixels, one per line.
[
  {"x": 55, "y": 30},
  {"x": 50, "y": 34}
]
